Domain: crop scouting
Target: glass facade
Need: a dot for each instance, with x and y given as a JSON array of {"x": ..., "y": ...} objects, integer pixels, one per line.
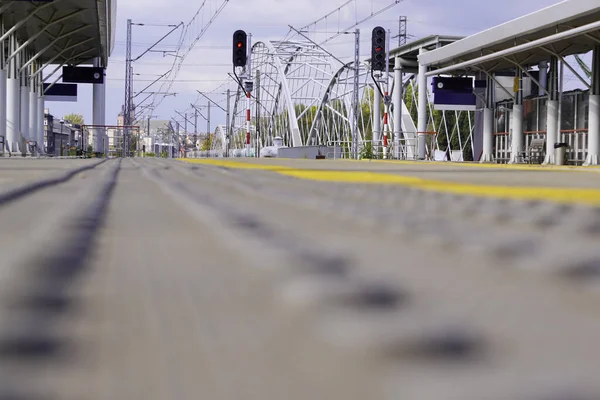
[{"x": 573, "y": 124}]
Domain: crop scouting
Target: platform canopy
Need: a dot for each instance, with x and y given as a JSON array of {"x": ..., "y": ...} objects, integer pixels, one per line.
[
  {"x": 409, "y": 52},
  {"x": 69, "y": 31},
  {"x": 567, "y": 28}
]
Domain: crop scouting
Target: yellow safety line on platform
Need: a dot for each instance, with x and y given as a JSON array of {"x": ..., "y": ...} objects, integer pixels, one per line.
[
  {"x": 521, "y": 167},
  {"x": 560, "y": 195},
  {"x": 235, "y": 164}
]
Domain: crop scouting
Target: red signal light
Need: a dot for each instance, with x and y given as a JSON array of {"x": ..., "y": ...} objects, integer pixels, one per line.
[
  {"x": 239, "y": 45},
  {"x": 378, "y": 49}
]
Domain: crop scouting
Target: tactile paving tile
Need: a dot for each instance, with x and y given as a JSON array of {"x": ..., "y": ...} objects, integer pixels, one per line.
[{"x": 250, "y": 284}]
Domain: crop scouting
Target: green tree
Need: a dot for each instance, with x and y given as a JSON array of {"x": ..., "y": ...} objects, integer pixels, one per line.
[
  {"x": 75, "y": 119},
  {"x": 207, "y": 143}
]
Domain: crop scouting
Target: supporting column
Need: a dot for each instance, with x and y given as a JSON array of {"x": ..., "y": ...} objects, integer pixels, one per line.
[
  {"x": 487, "y": 155},
  {"x": 2, "y": 98},
  {"x": 33, "y": 109},
  {"x": 103, "y": 118},
  {"x": 422, "y": 109},
  {"x": 98, "y": 111},
  {"x": 13, "y": 93},
  {"x": 517, "y": 122},
  {"x": 552, "y": 122},
  {"x": 24, "y": 120},
  {"x": 543, "y": 78},
  {"x": 593, "y": 156},
  {"x": 398, "y": 97},
  {"x": 376, "y": 118},
  {"x": 40, "y": 114}
]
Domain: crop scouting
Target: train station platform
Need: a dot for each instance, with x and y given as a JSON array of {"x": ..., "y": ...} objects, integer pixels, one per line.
[{"x": 293, "y": 279}]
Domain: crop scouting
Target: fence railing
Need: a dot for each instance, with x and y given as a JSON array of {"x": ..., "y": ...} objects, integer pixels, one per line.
[
  {"x": 576, "y": 139},
  {"x": 402, "y": 149}
]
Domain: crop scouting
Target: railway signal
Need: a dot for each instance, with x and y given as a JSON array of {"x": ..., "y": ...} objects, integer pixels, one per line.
[
  {"x": 378, "y": 49},
  {"x": 240, "y": 49}
]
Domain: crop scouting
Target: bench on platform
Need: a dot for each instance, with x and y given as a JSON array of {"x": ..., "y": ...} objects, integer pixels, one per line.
[{"x": 535, "y": 152}]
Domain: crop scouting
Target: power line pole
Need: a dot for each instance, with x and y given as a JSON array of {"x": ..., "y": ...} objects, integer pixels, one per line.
[
  {"x": 128, "y": 94},
  {"x": 227, "y": 126},
  {"x": 402, "y": 38},
  {"x": 355, "y": 101},
  {"x": 258, "y": 139},
  {"x": 195, "y": 122},
  {"x": 208, "y": 119}
]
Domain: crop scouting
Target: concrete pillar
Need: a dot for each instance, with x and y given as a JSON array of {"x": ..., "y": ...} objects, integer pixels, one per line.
[
  {"x": 422, "y": 109},
  {"x": 517, "y": 122},
  {"x": 24, "y": 120},
  {"x": 593, "y": 156},
  {"x": 552, "y": 121},
  {"x": 376, "y": 119},
  {"x": 99, "y": 104},
  {"x": 12, "y": 100},
  {"x": 33, "y": 111},
  {"x": 398, "y": 98},
  {"x": 2, "y": 100},
  {"x": 40, "y": 115},
  {"x": 487, "y": 155},
  {"x": 488, "y": 136}
]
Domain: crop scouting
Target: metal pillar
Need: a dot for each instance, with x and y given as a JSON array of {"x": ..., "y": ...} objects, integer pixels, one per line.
[
  {"x": 355, "y": 97},
  {"x": 398, "y": 97},
  {"x": 33, "y": 110},
  {"x": 247, "y": 124},
  {"x": 593, "y": 155},
  {"x": 543, "y": 67},
  {"x": 422, "y": 109},
  {"x": 195, "y": 121},
  {"x": 249, "y": 85},
  {"x": 2, "y": 93},
  {"x": 488, "y": 123},
  {"x": 376, "y": 119},
  {"x": 386, "y": 98},
  {"x": 552, "y": 111},
  {"x": 258, "y": 130},
  {"x": 517, "y": 121},
  {"x": 98, "y": 114},
  {"x": 127, "y": 120},
  {"x": 12, "y": 100},
  {"x": 402, "y": 36},
  {"x": 177, "y": 142},
  {"x": 227, "y": 125}
]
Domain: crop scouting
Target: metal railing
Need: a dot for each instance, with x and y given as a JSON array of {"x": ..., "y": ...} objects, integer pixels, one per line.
[
  {"x": 576, "y": 139},
  {"x": 406, "y": 148}
]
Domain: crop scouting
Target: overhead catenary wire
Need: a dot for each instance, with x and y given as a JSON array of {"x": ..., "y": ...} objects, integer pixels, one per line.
[{"x": 181, "y": 55}]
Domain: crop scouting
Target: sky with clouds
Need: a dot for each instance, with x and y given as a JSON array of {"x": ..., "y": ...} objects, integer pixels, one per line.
[{"x": 206, "y": 66}]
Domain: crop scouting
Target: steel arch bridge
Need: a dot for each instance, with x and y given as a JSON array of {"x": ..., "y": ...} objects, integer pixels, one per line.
[
  {"x": 304, "y": 96},
  {"x": 290, "y": 78}
]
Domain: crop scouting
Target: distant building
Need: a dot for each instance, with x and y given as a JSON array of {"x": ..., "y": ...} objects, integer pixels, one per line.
[{"x": 59, "y": 135}]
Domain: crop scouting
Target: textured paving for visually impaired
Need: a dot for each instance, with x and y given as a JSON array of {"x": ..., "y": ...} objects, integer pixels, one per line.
[{"x": 164, "y": 279}]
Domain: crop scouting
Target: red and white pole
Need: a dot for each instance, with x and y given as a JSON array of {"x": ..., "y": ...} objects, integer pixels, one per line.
[
  {"x": 247, "y": 124},
  {"x": 385, "y": 127}
]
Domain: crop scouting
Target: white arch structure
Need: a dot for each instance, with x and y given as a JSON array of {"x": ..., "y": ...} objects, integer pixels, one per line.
[
  {"x": 305, "y": 97},
  {"x": 292, "y": 78}
]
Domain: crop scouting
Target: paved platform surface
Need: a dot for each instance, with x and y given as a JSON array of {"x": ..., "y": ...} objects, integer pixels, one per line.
[{"x": 297, "y": 279}]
